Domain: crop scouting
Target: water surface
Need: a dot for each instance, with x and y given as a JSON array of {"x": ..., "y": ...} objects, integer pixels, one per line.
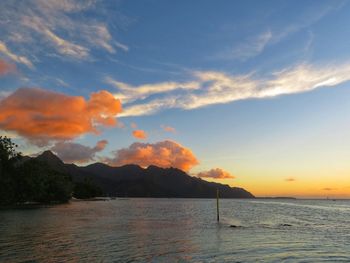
[{"x": 178, "y": 230}]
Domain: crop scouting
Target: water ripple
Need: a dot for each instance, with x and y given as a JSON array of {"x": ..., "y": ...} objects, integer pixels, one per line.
[{"x": 178, "y": 230}]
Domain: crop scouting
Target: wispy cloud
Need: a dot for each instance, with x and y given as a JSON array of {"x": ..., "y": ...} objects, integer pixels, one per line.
[
  {"x": 211, "y": 87},
  {"x": 167, "y": 128},
  {"x": 129, "y": 93},
  {"x": 61, "y": 26},
  {"x": 253, "y": 45},
  {"x": 250, "y": 48},
  {"x": 16, "y": 58},
  {"x": 63, "y": 46}
]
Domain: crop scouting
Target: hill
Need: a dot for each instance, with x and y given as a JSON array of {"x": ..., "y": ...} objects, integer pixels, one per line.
[{"x": 135, "y": 181}]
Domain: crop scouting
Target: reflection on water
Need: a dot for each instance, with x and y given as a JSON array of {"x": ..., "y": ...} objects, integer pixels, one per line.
[{"x": 178, "y": 230}]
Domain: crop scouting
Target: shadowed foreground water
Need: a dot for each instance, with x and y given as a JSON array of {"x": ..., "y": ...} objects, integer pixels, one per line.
[{"x": 178, "y": 230}]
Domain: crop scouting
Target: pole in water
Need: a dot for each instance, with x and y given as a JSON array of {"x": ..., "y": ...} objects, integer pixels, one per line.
[{"x": 217, "y": 205}]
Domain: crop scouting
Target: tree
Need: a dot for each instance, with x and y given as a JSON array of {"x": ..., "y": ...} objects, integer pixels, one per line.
[
  {"x": 8, "y": 154},
  {"x": 37, "y": 182},
  {"x": 8, "y": 158},
  {"x": 86, "y": 189},
  {"x": 29, "y": 180}
]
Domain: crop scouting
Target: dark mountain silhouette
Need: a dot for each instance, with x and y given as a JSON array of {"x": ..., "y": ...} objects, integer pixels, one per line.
[{"x": 134, "y": 181}]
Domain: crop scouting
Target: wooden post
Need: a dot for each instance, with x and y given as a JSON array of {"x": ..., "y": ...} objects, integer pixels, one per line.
[{"x": 217, "y": 205}]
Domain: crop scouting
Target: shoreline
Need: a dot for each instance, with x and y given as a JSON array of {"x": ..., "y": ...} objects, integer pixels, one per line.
[{"x": 33, "y": 205}]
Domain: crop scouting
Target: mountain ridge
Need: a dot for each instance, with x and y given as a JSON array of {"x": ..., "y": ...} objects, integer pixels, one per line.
[{"x": 134, "y": 181}]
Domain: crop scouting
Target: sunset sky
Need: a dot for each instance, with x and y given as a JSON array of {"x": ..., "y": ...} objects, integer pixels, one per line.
[{"x": 254, "y": 94}]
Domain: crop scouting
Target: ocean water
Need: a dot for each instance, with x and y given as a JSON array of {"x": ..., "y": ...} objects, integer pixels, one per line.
[{"x": 178, "y": 230}]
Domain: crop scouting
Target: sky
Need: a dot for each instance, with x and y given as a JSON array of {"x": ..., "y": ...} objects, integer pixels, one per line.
[{"x": 253, "y": 94}]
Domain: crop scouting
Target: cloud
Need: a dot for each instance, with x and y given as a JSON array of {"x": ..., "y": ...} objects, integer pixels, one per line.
[
  {"x": 68, "y": 28},
  {"x": 6, "y": 68},
  {"x": 168, "y": 128},
  {"x": 250, "y": 48},
  {"x": 150, "y": 107},
  {"x": 329, "y": 189},
  {"x": 131, "y": 93},
  {"x": 63, "y": 46},
  {"x": 42, "y": 116},
  {"x": 139, "y": 134},
  {"x": 212, "y": 87},
  {"x": 121, "y": 46},
  {"x": 253, "y": 46},
  {"x": 163, "y": 154},
  {"x": 216, "y": 173},
  {"x": 77, "y": 153},
  {"x": 290, "y": 179},
  {"x": 13, "y": 56},
  {"x": 70, "y": 6}
]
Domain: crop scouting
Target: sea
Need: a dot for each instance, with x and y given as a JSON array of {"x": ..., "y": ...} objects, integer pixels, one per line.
[{"x": 178, "y": 230}]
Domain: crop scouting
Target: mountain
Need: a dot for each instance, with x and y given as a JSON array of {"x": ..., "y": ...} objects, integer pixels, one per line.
[{"x": 134, "y": 181}]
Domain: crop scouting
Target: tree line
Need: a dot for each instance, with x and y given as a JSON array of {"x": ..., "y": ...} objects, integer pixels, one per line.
[{"x": 23, "y": 181}]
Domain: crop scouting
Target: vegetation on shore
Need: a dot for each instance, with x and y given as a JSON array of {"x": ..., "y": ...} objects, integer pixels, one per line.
[{"x": 31, "y": 181}]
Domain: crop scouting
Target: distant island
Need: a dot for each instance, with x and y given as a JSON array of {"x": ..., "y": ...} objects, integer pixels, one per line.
[
  {"x": 47, "y": 179},
  {"x": 277, "y": 197}
]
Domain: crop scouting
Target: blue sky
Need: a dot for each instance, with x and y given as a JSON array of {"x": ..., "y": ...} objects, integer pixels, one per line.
[{"x": 257, "y": 88}]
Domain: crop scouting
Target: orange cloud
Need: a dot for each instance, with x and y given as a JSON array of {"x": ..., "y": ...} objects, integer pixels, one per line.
[
  {"x": 6, "y": 68},
  {"x": 100, "y": 145},
  {"x": 42, "y": 116},
  {"x": 76, "y": 152},
  {"x": 216, "y": 173},
  {"x": 163, "y": 154},
  {"x": 168, "y": 128},
  {"x": 290, "y": 179},
  {"x": 139, "y": 134}
]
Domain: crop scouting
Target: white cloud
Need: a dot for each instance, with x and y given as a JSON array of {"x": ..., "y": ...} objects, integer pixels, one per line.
[
  {"x": 149, "y": 108},
  {"x": 19, "y": 59},
  {"x": 211, "y": 87},
  {"x": 121, "y": 46},
  {"x": 65, "y": 5},
  {"x": 58, "y": 25},
  {"x": 63, "y": 46},
  {"x": 131, "y": 93}
]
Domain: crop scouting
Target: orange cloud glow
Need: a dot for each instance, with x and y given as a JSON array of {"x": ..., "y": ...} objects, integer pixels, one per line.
[
  {"x": 139, "y": 134},
  {"x": 168, "y": 128},
  {"x": 6, "y": 68},
  {"x": 216, "y": 173},
  {"x": 163, "y": 154},
  {"x": 41, "y": 115},
  {"x": 290, "y": 179}
]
